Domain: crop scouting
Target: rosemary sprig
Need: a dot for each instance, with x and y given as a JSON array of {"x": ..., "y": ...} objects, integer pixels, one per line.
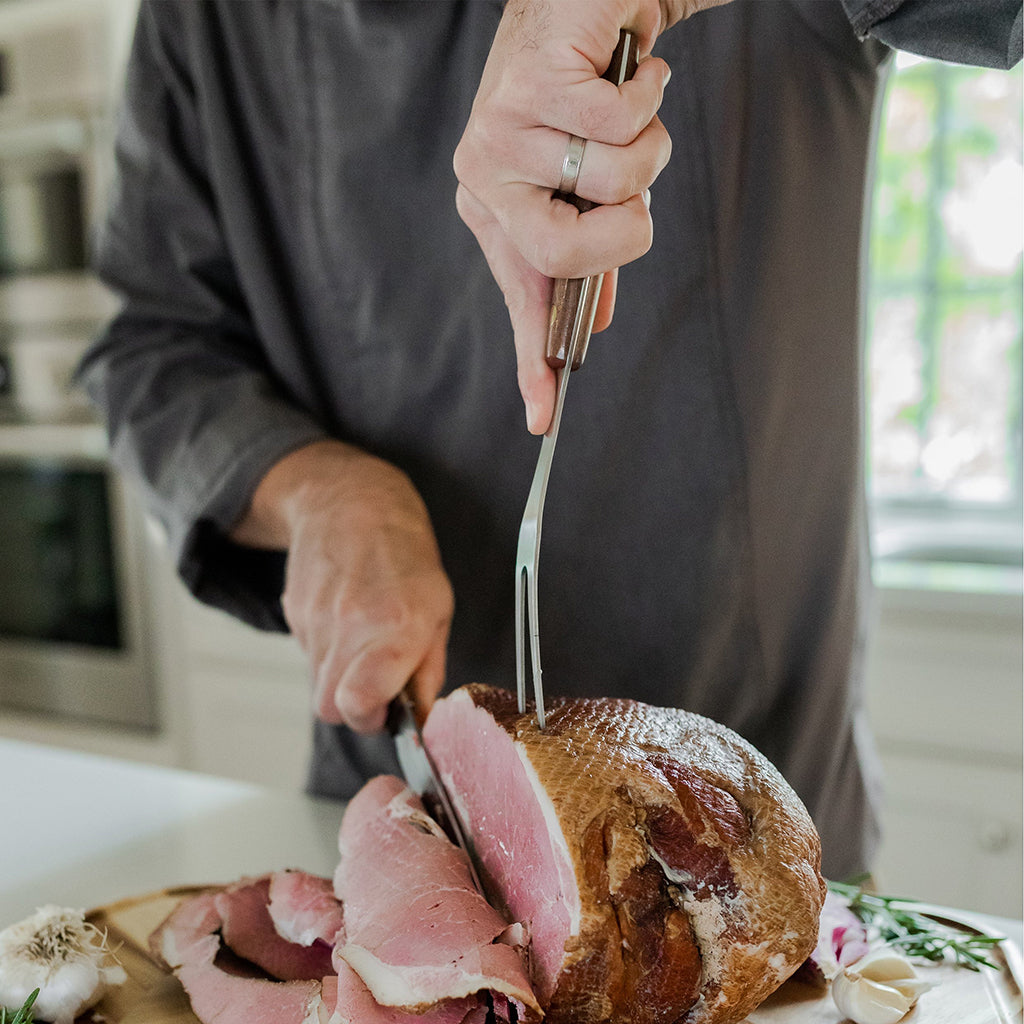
[
  {"x": 24, "y": 1015},
  {"x": 915, "y": 934}
]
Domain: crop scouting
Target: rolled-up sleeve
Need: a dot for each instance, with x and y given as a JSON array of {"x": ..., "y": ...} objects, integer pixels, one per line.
[
  {"x": 985, "y": 33},
  {"x": 194, "y": 413}
]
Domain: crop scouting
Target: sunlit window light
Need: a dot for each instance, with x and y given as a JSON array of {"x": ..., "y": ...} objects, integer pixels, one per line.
[{"x": 944, "y": 315}]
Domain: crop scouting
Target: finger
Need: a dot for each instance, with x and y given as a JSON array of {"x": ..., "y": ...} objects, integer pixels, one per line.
[
  {"x": 325, "y": 706},
  {"x": 558, "y": 241},
  {"x": 528, "y": 298},
  {"x": 428, "y": 679},
  {"x": 576, "y": 102},
  {"x": 607, "y": 174},
  {"x": 370, "y": 681},
  {"x": 606, "y": 301}
]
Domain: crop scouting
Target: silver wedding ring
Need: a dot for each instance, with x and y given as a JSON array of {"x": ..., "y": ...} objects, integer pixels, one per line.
[{"x": 571, "y": 165}]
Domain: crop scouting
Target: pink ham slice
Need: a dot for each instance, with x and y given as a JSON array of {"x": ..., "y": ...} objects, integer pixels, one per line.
[
  {"x": 417, "y": 932},
  {"x": 189, "y": 943},
  {"x": 303, "y": 908},
  {"x": 223, "y": 990},
  {"x": 355, "y": 1005},
  {"x": 248, "y": 931}
]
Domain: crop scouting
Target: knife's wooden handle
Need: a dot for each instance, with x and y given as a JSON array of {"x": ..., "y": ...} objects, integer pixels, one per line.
[{"x": 572, "y": 300}]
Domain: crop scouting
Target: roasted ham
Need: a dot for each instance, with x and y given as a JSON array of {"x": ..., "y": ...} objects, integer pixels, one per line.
[{"x": 663, "y": 868}]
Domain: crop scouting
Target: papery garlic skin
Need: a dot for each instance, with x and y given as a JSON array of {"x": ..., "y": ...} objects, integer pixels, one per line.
[
  {"x": 58, "y": 952},
  {"x": 880, "y": 988}
]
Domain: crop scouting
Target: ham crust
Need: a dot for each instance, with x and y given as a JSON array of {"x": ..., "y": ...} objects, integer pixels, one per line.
[{"x": 664, "y": 868}]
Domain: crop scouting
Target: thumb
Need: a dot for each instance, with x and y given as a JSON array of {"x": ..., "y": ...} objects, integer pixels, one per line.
[{"x": 606, "y": 300}]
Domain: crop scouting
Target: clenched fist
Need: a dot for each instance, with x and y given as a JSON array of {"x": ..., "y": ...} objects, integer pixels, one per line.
[{"x": 542, "y": 85}]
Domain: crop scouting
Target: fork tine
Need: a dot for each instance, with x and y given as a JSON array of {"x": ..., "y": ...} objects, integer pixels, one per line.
[
  {"x": 520, "y": 640},
  {"x": 533, "y": 618},
  {"x": 528, "y": 615}
]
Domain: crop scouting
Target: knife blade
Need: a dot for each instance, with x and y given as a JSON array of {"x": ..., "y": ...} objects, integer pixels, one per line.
[{"x": 422, "y": 776}]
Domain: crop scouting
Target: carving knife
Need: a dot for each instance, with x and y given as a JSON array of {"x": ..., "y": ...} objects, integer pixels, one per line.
[{"x": 423, "y": 779}]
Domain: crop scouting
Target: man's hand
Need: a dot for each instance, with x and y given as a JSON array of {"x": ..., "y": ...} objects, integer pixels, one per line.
[
  {"x": 365, "y": 592},
  {"x": 541, "y": 84}
]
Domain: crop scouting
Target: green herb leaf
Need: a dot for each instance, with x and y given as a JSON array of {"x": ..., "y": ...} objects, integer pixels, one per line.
[
  {"x": 894, "y": 921},
  {"x": 24, "y": 1015}
]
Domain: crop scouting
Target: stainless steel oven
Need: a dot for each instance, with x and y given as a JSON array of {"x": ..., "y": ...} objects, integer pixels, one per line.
[
  {"x": 73, "y": 599},
  {"x": 73, "y": 623}
]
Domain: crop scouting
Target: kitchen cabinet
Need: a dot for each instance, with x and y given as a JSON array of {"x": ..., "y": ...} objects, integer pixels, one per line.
[
  {"x": 945, "y": 699},
  {"x": 248, "y": 698}
]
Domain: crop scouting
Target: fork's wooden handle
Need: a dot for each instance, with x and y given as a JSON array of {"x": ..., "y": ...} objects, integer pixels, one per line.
[{"x": 567, "y": 293}]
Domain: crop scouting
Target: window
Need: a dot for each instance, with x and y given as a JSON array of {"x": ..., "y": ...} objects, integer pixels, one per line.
[{"x": 943, "y": 317}]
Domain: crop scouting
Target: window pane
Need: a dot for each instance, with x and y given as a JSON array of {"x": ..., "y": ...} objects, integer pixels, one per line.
[{"x": 945, "y": 291}]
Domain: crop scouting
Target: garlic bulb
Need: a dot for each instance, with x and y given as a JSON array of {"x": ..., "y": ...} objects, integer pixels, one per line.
[
  {"x": 880, "y": 988},
  {"x": 57, "y": 951}
]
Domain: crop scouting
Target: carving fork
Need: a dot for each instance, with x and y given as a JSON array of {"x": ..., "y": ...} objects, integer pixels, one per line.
[{"x": 573, "y": 304}]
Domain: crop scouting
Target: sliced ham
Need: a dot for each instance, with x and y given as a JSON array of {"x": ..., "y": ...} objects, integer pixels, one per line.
[
  {"x": 248, "y": 931},
  {"x": 354, "y": 1004},
  {"x": 416, "y": 931},
  {"x": 662, "y": 867},
  {"x": 189, "y": 943},
  {"x": 303, "y": 908}
]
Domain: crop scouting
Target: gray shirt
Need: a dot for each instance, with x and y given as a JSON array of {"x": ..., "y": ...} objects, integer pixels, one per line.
[{"x": 284, "y": 234}]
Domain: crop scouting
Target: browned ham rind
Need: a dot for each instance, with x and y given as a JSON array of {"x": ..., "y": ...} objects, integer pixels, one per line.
[{"x": 663, "y": 868}]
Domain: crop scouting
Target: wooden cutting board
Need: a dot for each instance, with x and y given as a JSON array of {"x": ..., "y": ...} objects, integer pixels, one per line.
[{"x": 153, "y": 996}]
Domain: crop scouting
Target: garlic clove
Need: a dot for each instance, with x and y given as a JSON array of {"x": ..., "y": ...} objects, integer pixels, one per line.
[
  {"x": 868, "y": 1002},
  {"x": 888, "y": 967},
  {"x": 880, "y": 988},
  {"x": 912, "y": 988},
  {"x": 884, "y": 964}
]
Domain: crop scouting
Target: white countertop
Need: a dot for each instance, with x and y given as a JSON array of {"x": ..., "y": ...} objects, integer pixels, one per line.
[{"x": 82, "y": 831}]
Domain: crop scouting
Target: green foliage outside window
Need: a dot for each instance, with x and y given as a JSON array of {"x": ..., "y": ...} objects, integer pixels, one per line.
[{"x": 944, "y": 310}]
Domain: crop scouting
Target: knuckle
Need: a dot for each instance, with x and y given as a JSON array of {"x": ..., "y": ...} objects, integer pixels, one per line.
[
  {"x": 361, "y": 698},
  {"x": 289, "y": 606},
  {"x": 562, "y": 256},
  {"x": 460, "y": 160},
  {"x": 444, "y": 601},
  {"x": 611, "y": 186}
]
